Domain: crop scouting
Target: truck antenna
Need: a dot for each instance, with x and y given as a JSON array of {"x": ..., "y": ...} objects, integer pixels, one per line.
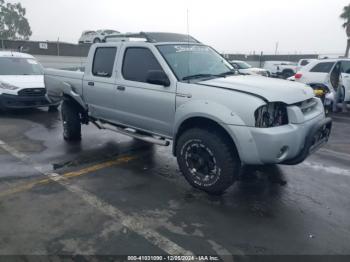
[{"x": 188, "y": 43}]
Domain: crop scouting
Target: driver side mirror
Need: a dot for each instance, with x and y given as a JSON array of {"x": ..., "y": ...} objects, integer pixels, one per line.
[{"x": 157, "y": 77}]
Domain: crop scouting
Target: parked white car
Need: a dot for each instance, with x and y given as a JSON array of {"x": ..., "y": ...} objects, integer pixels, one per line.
[
  {"x": 245, "y": 68},
  {"x": 22, "y": 82},
  {"x": 95, "y": 36},
  {"x": 304, "y": 62},
  {"x": 282, "y": 69},
  {"x": 323, "y": 72}
]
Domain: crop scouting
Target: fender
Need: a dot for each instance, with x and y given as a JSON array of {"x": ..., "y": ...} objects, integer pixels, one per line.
[
  {"x": 218, "y": 113},
  {"x": 69, "y": 91},
  {"x": 57, "y": 89},
  {"x": 206, "y": 109}
]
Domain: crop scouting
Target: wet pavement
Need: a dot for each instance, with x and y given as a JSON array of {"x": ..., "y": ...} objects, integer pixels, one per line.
[{"x": 110, "y": 194}]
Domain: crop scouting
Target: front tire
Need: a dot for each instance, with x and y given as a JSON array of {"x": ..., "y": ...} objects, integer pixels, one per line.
[
  {"x": 71, "y": 121},
  {"x": 208, "y": 160}
]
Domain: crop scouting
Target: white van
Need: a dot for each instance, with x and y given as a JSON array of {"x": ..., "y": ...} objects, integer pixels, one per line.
[{"x": 22, "y": 82}]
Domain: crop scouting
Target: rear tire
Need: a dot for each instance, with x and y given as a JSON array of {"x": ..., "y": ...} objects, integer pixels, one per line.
[
  {"x": 287, "y": 73},
  {"x": 208, "y": 160},
  {"x": 71, "y": 121}
]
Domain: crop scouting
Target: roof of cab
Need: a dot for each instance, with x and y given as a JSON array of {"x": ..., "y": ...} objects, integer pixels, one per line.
[
  {"x": 15, "y": 54},
  {"x": 153, "y": 37}
]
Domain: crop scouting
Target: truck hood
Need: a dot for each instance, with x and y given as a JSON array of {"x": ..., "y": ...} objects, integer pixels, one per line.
[
  {"x": 24, "y": 81},
  {"x": 273, "y": 90}
]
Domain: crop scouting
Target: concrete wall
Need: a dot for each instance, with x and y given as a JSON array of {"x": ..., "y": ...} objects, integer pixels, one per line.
[
  {"x": 45, "y": 48},
  {"x": 59, "y": 62},
  {"x": 63, "y": 55}
]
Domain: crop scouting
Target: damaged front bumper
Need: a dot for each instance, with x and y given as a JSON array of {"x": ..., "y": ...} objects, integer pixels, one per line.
[
  {"x": 317, "y": 137},
  {"x": 289, "y": 144}
]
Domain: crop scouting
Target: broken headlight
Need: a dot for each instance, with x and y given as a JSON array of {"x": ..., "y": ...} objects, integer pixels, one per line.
[{"x": 271, "y": 115}]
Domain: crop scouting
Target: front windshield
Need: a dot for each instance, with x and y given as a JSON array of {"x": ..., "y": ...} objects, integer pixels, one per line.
[
  {"x": 243, "y": 65},
  {"x": 20, "y": 66},
  {"x": 188, "y": 60}
]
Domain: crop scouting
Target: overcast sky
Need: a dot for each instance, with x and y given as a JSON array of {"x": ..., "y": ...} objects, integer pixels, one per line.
[{"x": 228, "y": 25}]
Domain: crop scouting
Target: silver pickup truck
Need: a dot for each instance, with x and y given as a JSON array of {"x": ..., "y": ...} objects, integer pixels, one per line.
[{"x": 162, "y": 87}]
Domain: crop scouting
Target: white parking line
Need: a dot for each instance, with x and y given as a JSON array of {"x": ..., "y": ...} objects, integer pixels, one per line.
[
  {"x": 328, "y": 168},
  {"x": 133, "y": 223},
  {"x": 338, "y": 154}
]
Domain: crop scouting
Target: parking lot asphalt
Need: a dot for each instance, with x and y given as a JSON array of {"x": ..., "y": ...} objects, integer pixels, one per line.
[{"x": 113, "y": 195}]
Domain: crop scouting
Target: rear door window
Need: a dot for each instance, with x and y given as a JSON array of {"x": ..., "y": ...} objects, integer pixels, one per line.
[
  {"x": 323, "y": 67},
  {"x": 104, "y": 61},
  {"x": 345, "y": 67}
]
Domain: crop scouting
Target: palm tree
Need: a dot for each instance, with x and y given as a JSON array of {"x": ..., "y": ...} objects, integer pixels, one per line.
[{"x": 346, "y": 16}]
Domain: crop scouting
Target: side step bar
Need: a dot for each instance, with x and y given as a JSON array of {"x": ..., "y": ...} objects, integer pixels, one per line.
[{"x": 131, "y": 132}]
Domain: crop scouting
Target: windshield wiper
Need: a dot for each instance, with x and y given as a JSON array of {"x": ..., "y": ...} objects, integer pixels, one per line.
[
  {"x": 198, "y": 76},
  {"x": 227, "y": 73},
  {"x": 208, "y": 75}
]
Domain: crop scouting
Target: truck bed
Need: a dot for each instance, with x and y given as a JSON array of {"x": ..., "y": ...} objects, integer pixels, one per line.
[{"x": 60, "y": 82}]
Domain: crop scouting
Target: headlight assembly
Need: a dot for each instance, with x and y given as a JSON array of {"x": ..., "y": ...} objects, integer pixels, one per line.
[
  {"x": 271, "y": 115},
  {"x": 8, "y": 86}
]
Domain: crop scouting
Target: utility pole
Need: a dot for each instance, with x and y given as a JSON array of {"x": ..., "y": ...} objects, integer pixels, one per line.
[
  {"x": 260, "y": 59},
  {"x": 58, "y": 46},
  {"x": 276, "y": 48}
]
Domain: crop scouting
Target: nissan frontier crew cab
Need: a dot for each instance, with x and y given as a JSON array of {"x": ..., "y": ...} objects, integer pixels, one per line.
[{"x": 162, "y": 87}]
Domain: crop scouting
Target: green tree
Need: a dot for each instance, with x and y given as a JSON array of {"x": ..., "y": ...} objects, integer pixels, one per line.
[
  {"x": 345, "y": 15},
  {"x": 13, "y": 24}
]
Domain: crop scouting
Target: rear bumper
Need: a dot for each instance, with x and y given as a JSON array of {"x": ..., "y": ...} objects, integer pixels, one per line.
[
  {"x": 15, "y": 101},
  {"x": 290, "y": 144}
]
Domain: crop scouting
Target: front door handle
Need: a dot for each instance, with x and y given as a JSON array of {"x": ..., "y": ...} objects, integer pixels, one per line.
[
  {"x": 91, "y": 83},
  {"x": 121, "y": 88}
]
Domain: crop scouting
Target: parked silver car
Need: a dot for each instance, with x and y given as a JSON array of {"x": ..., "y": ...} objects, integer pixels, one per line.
[{"x": 172, "y": 87}]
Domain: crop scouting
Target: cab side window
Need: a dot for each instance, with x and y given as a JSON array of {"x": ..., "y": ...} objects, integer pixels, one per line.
[
  {"x": 138, "y": 62},
  {"x": 104, "y": 61},
  {"x": 345, "y": 67},
  {"x": 324, "y": 67}
]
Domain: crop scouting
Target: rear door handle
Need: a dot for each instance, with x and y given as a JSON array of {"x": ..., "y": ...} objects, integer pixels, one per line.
[
  {"x": 91, "y": 83},
  {"x": 121, "y": 88}
]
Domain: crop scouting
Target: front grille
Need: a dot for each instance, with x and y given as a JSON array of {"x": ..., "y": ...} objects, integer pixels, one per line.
[{"x": 32, "y": 92}]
